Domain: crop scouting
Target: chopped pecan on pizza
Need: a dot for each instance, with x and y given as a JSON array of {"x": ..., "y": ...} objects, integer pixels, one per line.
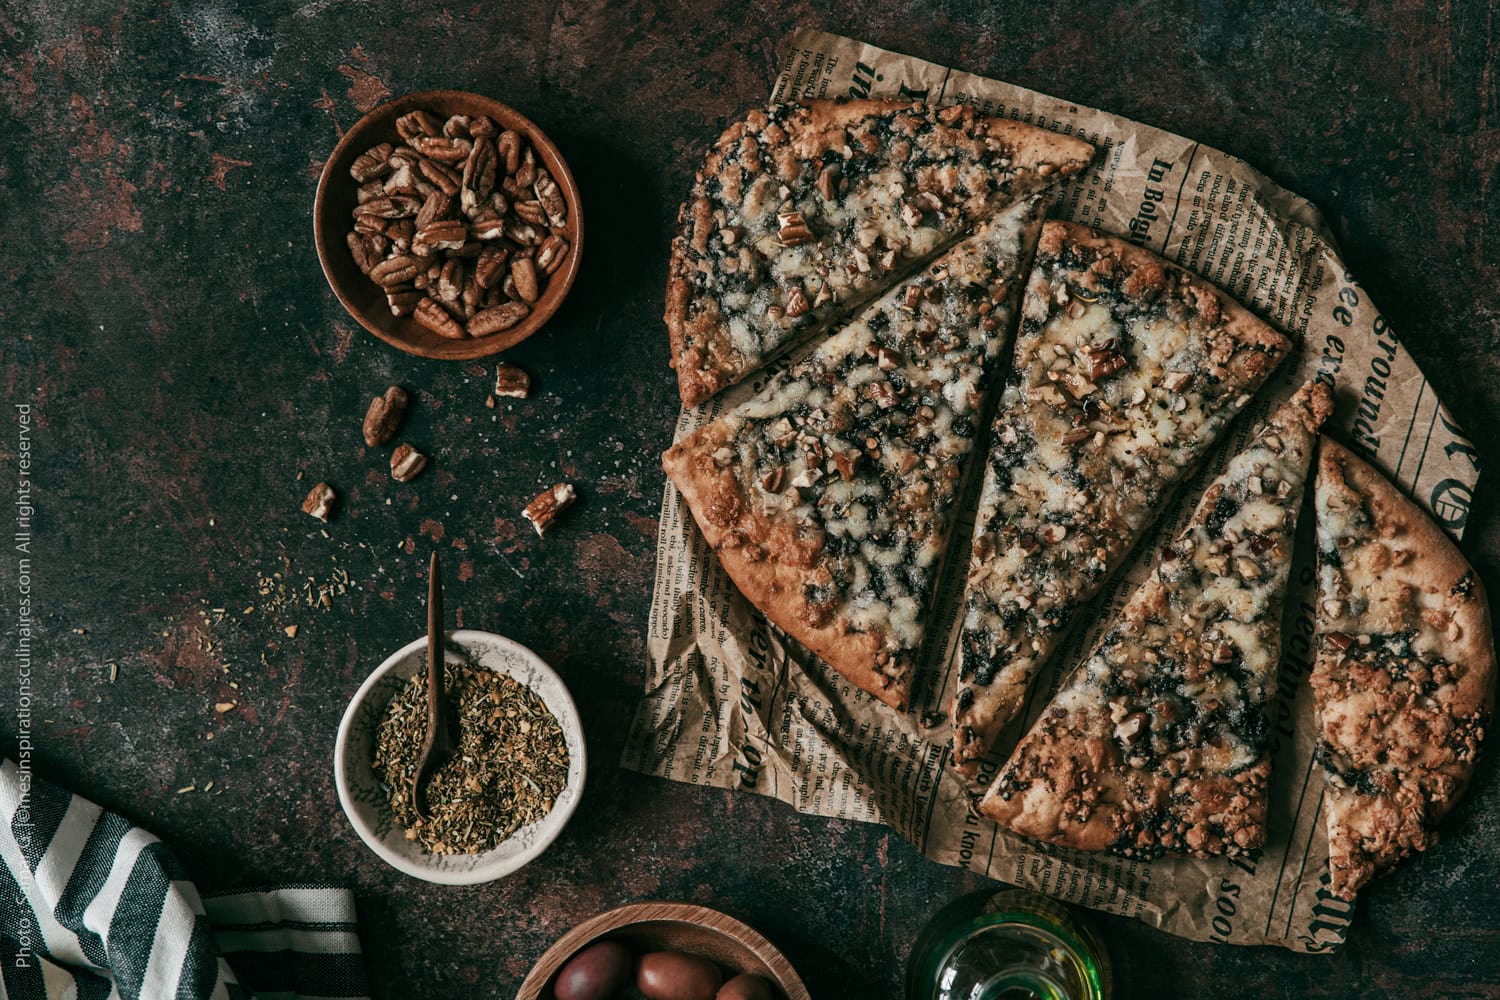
[
  {"x": 1404, "y": 680},
  {"x": 803, "y": 212},
  {"x": 1126, "y": 369},
  {"x": 1158, "y": 743},
  {"x": 829, "y": 497}
]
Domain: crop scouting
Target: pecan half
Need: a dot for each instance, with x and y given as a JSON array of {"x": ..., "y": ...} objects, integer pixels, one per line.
[
  {"x": 418, "y": 123},
  {"x": 488, "y": 229},
  {"x": 551, "y": 254},
  {"x": 403, "y": 301},
  {"x": 363, "y": 250},
  {"x": 441, "y": 148},
  {"x": 407, "y": 463},
  {"x": 531, "y": 211},
  {"x": 436, "y": 207},
  {"x": 523, "y": 273},
  {"x": 397, "y": 270},
  {"x": 384, "y": 416},
  {"x": 508, "y": 147},
  {"x": 497, "y": 318},
  {"x": 526, "y": 173},
  {"x": 432, "y": 315},
  {"x": 543, "y": 511},
  {"x": 479, "y": 169},
  {"x": 1104, "y": 362},
  {"x": 319, "y": 502},
  {"x": 372, "y": 163},
  {"x": 441, "y": 177},
  {"x": 490, "y": 267},
  {"x": 450, "y": 284},
  {"x": 446, "y": 234},
  {"x": 391, "y": 206},
  {"x": 551, "y": 197}
]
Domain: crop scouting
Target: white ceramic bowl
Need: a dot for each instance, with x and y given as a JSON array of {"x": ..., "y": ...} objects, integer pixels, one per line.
[{"x": 365, "y": 800}]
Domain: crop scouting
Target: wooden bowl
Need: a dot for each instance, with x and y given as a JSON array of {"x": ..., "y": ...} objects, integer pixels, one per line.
[
  {"x": 333, "y": 221},
  {"x": 670, "y": 927}
]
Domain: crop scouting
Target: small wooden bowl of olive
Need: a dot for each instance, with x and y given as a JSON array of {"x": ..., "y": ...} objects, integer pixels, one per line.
[{"x": 662, "y": 951}]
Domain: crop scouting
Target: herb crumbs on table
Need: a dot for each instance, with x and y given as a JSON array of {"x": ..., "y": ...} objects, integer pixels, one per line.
[{"x": 509, "y": 766}]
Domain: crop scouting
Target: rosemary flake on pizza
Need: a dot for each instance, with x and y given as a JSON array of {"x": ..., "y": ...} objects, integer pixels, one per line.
[
  {"x": 1159, "y": 742},
  {"x": 829, "y": 497},
  {"x": 1126, "y": 370},
  {"x": 801, "y": 213},
  {"x": 1404, "y": 679}
]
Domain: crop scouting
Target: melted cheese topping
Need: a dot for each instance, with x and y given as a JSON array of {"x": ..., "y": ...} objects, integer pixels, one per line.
[
  {"x": 1177, "y": 691},
  {"x": 860, "y": 447},
  {"x": 1113, "y": 397},
  {"x": 788, "y": 236},
  {"x": 1398, "y": 732}
]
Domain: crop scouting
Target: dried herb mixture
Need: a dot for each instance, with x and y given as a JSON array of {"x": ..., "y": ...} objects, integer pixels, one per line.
[{"x": 510, "y": 765}]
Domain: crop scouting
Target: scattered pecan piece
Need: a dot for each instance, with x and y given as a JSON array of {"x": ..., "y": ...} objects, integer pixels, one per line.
[
  {"x": 319, "y": 502},
  {"x": 384, "y": 416},
  {"x": 543, "y": 511},
  {"x": 511, "y": 381},
  {"x": 407, "y": 463}
]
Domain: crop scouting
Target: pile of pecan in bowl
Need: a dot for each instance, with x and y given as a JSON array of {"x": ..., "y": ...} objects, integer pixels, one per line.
[{"x": 461, "y": 226}]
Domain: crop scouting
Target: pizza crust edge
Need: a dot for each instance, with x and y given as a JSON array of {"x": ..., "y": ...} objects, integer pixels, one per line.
[{"x": 772, "y": 582}]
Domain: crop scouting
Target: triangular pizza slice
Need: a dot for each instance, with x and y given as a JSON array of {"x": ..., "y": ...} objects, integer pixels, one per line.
[
  {"x": 1159, "y": 742},
  {"x": 829, "y": 497},
  {"x": 1127, "y": 368},
  {"x": 1404, "y": 680},
  {"x": 803, "y": 212}
]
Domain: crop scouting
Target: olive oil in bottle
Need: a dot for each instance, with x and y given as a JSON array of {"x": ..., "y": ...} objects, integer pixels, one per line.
[{"x": 1007, "y": 944}]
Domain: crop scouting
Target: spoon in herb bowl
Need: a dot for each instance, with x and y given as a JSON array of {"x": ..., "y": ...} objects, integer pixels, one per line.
[{"x": 437, "y": 745}]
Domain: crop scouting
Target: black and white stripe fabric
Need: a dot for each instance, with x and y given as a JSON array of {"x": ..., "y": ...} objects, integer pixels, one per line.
[{"x": 93, "y": 908}]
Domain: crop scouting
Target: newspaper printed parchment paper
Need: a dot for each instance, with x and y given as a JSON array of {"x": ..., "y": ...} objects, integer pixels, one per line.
[{"x": 734, "y": 703}]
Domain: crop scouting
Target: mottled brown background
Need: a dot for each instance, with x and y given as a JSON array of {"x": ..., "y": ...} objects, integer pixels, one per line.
[{"x": 165, "y": 315}]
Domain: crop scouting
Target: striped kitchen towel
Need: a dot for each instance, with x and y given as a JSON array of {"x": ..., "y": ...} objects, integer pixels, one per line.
[{"x": 93, "y": 907}]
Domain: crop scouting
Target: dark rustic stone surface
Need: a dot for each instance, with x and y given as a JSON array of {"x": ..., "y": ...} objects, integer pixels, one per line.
[{"x": 166, "y": 316}]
